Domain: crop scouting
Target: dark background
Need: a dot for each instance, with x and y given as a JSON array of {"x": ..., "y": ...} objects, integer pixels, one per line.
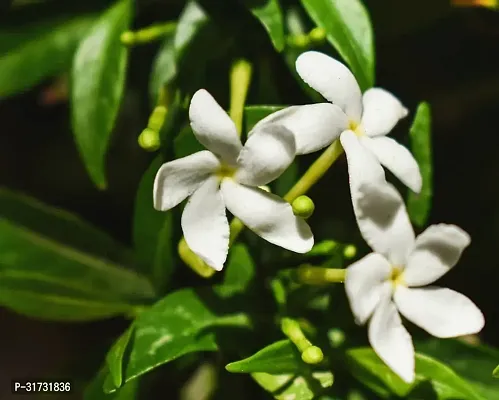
[{"x": 426, "y": 50}]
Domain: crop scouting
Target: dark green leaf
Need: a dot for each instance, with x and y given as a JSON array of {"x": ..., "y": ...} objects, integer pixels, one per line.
[
  {"x": 32, "y": 53},
  {"x": 114, "y": 358},
  {"x": 240, "y": 270},
  {"x": 152, "y": 231},
  {"x": 54, "y": 266},
  {"x": 269, "y": 14},
  {"x": 299, "y": 387},
  {"x": 98, "y": 81},
  {"x": 278, "y": 358},
  {"x": 348, "y": 28},
  {"x": 186, "y": 143},
  {"x": 495, "y": 373},
  {"x": 286, "y": 181},
  {"x": 190, "y": 23},
  {"x": 419, "y": 205},
  {"x": 95, "y": 391},
  {"x": 253, "y": 114},
  {"x": 472, "y": 362},
  {"x": 178, "y": 324},
  {"x": 164, "y": 67},
  {"x": 367, "y": 367}
]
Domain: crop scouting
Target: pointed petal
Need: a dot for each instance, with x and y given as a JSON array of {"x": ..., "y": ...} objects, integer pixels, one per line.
[
  {"x": 177, "y": 179},
  {"x": 364, "y": 284},
  {"x": 266, "y": 155},
  {"x": 314, "y": 126},
  {"x": 441, "y": 312},
  {"x": 435, "y": 252},
  {"x": 378, "y": 207},
  {"x": 269, "y": 216},
  {"x": 397, "y": 159},
  {"x": 391, "y": 341},
  {"x": 213, "y": 127},
  {"x": 382, "y": 111},
  {"x": 333, "y": 80},
  {"x": 205, "y": 225}
]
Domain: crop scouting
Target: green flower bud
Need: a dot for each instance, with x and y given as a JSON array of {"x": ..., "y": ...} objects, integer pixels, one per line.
[
  {"x": 303, "y": 206},
  {"x": 350, "y": 251},
  {"x": 149, "y": 140},
  {"x": 127, "y": 38},
  {"x": 317, "y": 35},
  {"x": 157, "y": 118},
  {"x": 336, "y": 337},
  {"x": 312, "y": 355}
]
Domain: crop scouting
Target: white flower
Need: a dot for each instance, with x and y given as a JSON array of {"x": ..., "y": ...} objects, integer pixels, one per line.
[
  {"x": 367, "y": 118},
  {"x": 228, "y": 176},
  {"x": 390, "y": 280}
]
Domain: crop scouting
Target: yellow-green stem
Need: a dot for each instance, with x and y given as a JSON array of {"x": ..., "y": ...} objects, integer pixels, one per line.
[
  {"x": 240, "y": 79},
  {"x": 310, "y": 354},
  {"x": 148, "y": 34},
  {"x": 318, "y": 275}
]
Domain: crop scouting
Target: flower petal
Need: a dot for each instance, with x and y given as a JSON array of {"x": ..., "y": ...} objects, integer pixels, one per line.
[
  {"x": 266, "y": 155},
  {"x": 391, "y": 341},
  {"x": 213, "y": 127},
  {"x": 397, "y": 159},
  {"x": 333, "y": 80},
  {"x": 441, "y": 312},
  {"x": 205, "y": 225},
  {"x": 382, "y": 111},
  {"x": 378, "y": 207},
  {"x": 269, "y": 216},
  {"x": 314, "y": 126},
  {"x": 364, "y": 283},
  {"x": 435, "y": 252},
  {"x": 177, "y": 179}
]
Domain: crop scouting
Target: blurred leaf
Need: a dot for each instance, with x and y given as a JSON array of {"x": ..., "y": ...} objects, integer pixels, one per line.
[
  {"x": 323, "y": 248},
  {"x": 164, "y": 67},
  {"x": 299, "y": 387},
  {"x": 152, "y": 231},
  {"x": 348, "y": 28},
  {"x": 269, "y": 14},
  {"x": 495, "y": 373},
  {"x": 186, "y": 143},
  {"x": 277, "y": 358},
  {"x": 178, "y": 324},
  {"x": 239, "y": 272},
  {"x": 191, "y": 21},
  {"x": 114, "y": 358},
  {"x": 32, "y": 53},
  {"x": 368, "y": 368},
  {"x": 286, "y": 181},
  {"x": 472, "y": 362},
  {"x": 45, "y": 274},
  {"x": 419, "y": 205},
  {"x": 98, "y": 81},
  {"x": 253, "y": 114},
  {"x": 95, "y": 391}
]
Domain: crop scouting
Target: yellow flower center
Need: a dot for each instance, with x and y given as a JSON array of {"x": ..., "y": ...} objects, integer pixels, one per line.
[
  {"x": 397, "y": 277},
  {"x": 226, "y": 171},
  {"x": 356, "y": 127}
]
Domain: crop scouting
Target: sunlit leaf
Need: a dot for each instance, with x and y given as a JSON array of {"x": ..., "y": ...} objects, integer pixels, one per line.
[
  {"x": 95, "y": 390},
  {"x": 98, "y": 80},
  {"x": 348, "y": 28},
  {"x": 114, "y": 358}
]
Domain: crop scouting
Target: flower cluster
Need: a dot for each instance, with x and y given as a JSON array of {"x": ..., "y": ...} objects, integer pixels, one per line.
[{"x": 229, "y": 176}]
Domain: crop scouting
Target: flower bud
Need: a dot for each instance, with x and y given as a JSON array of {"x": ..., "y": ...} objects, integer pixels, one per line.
[
  {"x": 149, "y": 140},
  {"x": 127, "y": 38},
  {"x": 312, "y": 355},
  {"x": 350, "y": 251},
  {"x": 303, "y": 206},
  {"x": 317, "y": 35},
  {"x": 157, "y": 118}
]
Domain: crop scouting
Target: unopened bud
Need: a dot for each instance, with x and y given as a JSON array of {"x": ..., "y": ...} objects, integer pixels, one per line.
[
  {"x": 303, "y": 206},
  {"x": 157, "y": 118},
  {"x": 149, "y": 140},
  {"x": 127, "y": 38},
  {"x": 312, "y": 355},
  {"x": 350, "y": 251},
  {"x": 317, "y": 35}
]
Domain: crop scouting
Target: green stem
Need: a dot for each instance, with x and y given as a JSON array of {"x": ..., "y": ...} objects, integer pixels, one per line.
[
  {"x": 310, "y": 275},
  {"x": 148, "y": 34},
  {"x": 310, "y": 354},
  {"x": 240, "y": 79}
]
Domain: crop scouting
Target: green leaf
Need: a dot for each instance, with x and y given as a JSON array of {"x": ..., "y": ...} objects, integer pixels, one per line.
[
  {"x": 98, "y": 81},
  {"x": 32, "y": 53},
  {"x": 95, "y": 391},
  {"x": 152, "y": 231},
  {"x": 164, "y": 67},
  {"x": 253, "y": 114},
  {"x": 277, "y": 358},
  {"x": 286, "y": 181},
  {"x": 240, "y": 270},
  {"x": 177, "y": 325},
  {"x": 495, "y": 373},
  {"x": 348, "y": 28},
  {"x": 419, "y": 205},
  {"x": 269, "y": 13},
  {"x": 367, "y": 367},
  {"x": 472, "y": 362},
  {"x": 54, "y": 266},
  {"x": 114, "y": 358},
  {"x": 186, "y": 143},
  {"x": 298, "y": 387}
]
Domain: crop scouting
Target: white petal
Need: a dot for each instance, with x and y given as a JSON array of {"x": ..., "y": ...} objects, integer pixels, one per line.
[
  {"x": 364, "y": 283},
  {"x": 382, "y": 111},
  {"x": 213, "y": 127},
  {"x": 205, "y": 225},
  {"x": 379, "y": 208},
  {"x": 268, "y": 216},
  {"x": 315, "y": 126},
  {"x": 397, "y": 159},
  {"x": 333, "y": 80},
  {"x": 435, "y": 252},
  {"x": 177, "y": 179},
  {"x": 391, "y": 341},
  {"x": 441, "y": 312},
  {"x": 266, "y": 155}
]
